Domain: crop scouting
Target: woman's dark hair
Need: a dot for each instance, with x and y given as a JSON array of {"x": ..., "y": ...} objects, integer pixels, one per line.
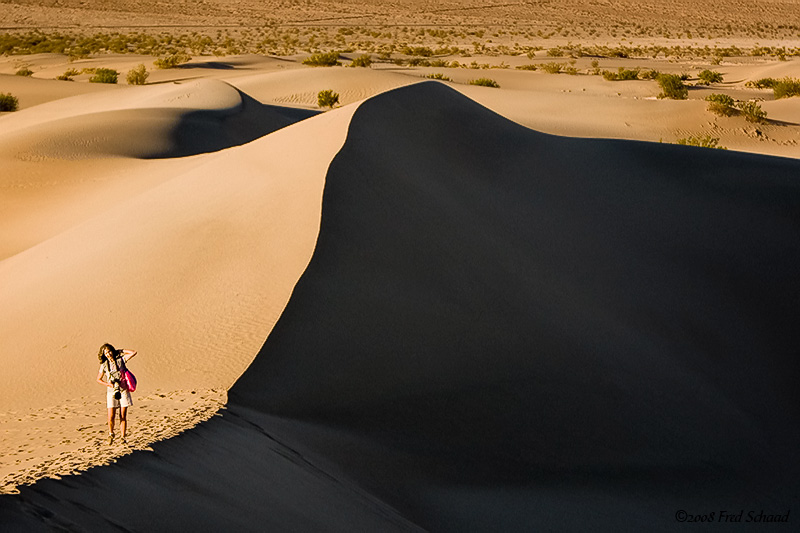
[{"x": 105, "y": 352}]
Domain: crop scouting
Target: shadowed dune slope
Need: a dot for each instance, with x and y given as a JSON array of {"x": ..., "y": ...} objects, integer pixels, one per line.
[
  {"x": 499, "y": 330},
  {"x": 509, "y": 305}
]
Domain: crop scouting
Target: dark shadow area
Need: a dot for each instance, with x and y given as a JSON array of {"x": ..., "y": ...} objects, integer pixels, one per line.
[{"x": 201, "y": 132}]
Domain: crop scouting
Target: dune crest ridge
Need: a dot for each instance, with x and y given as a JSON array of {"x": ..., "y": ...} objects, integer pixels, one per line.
[
  {"x": 500, "y": 329},
  {"x": 192, "y": 272}
]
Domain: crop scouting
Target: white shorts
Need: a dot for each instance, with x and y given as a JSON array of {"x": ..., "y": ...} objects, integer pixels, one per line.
[{"x": 124, "y": 400}]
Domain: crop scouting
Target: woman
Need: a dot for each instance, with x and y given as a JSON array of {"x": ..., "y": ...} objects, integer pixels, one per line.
[{"x": 112, "y": 362}]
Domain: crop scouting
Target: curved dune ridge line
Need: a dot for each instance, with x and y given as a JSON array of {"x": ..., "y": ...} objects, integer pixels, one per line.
[
  {"x": 68, "y": 159},
  {"x": 171, "y": 270},
  {"x": 191, "y": 271},
  {"x": 498, "y": 330}
]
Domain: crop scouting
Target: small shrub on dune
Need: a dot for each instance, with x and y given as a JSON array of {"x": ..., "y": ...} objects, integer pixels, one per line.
[
  {"x": 327, "y": 59},
  {"x": 137, "y": 75},
  {"x": 552, "y": 68},
  {"x": 438, "y": 76},
  {"x": 752, "y": 112},
  {"x": 786, "y": 88},
  {"x": 362, "y": 61},
  {"x": 649, "y": 75},
  {"x": 8, "y": 102},
  {"x": 24, "y": 71},
  {"x": 622, "y": 74},
  {"x": 707, "y": 141},
  {"x": 721, "y": 104},
  {"x": 527, "y": 67},
  {"x": 104, "y": 75},
  {"x": 763, "y": 83},
  {"x": 68, "y": 75},
  {"x": 485, "y": 82},
  {"x": 327, "y": 98},
  {"x": 707, "y": 77},
  {"x": 171, "y": 61},
  {"x": 672, "y": 87}
]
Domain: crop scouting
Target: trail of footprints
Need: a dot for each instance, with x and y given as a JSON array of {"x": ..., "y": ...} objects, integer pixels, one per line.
[{"x": 73, "y": 437}]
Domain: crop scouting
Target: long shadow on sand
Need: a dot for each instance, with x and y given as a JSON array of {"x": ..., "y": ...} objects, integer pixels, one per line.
[
  {"x": 501, "y": 330},
  {"x": 204, "y": 131}
]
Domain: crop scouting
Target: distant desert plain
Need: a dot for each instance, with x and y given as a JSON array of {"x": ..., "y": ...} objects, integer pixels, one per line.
[{"x": 167, "y": 185}]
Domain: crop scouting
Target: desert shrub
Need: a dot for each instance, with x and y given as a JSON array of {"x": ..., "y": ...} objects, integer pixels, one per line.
[
  {"x": 684, "y": 76},
  {"x": 323, "y": 59},
  {"x": 572, "y": 71},
  {"x": 484, "y": 82},
  {"x": 763, "y": 83},
  {"x": 707, "y": 77},
  {"x": 327, "y": 98},
  {"x": 527, "y": 67},
  {"x": 362, "y": 61},
  {"x": 706, "y": 141},
  {"x": 552, "y": 68},
  {"x": 104, "y": 75},
  {"x": 621, "y": 74},
  {"x": 438, "y": 76},
  {"x": 24, "y": 71},
  {"x": 752, "y": 111},
  {"x": 672, "y": 87},
  {"x": 137, "y": 75},
  {"x": 68, "y": 75},
  {"x": 171, "y": 61},
  {"x": 8, "y": 102},
  {"x": 786, "y": 88},
  {"x": 721, "y": 104},
  {"x": 649, "y": 75}
]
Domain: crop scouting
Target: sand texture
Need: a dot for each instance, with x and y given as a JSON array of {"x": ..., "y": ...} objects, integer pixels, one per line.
[{"x": 488, "y": 327}]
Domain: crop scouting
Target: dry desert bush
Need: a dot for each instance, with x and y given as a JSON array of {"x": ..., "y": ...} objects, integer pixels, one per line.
[
  {"x": 137, "y": 75},
  {"x": 8, "y": 102},
  {"x": 327, "y": 98},
  {"x": 104, "y": 75}
]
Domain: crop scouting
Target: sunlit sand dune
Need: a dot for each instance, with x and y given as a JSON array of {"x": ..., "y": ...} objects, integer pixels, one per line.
[{"x": 499, "y": 329}]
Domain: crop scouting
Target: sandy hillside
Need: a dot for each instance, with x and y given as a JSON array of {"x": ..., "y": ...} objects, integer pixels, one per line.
[
  {"x": 188, "y": 260},
  {"x": 497, "y": 328},
  {"x": 120, "y": 203}
]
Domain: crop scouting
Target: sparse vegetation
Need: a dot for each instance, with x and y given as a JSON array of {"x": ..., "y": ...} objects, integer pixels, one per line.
[
  {"x": 752, "y": 112},
  {"x": 438, "y": 76},
  {"x": 672, "y": 87},
  {"x": 721, "y": 104},
  {"x": 621, "y": 74},
  {"x": 527, "y": 67},
  {"x": 706, "y": 141},
  {"x": 328, "y": 59},
  {"x": 68, "y": 75},
  {"x": 552, "y": 68},
  {"x": 137, "y": 75},
  {"x": 104, "y": 75},
  {"x": 362, "y": 61},
  {"x": 24, "y": 71},
  {"x": 327, "y": 98},
  {"x": 8, "y": 102},
  {"x": 786, "y": 88},
  {"x": 485, "y": 82},
  {"x": 707, "y": 77},
  {"x": 171, "y": 61},
  {"x": 763, "y": 83}
]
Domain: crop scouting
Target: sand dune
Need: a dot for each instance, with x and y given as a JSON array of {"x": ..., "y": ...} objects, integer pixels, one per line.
[{"x": 498, "y": 329}]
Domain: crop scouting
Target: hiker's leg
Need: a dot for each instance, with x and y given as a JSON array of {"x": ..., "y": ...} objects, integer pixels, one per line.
[
  {"x": 123, "y": 420},
  {"x": 111, "y": 413}
]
